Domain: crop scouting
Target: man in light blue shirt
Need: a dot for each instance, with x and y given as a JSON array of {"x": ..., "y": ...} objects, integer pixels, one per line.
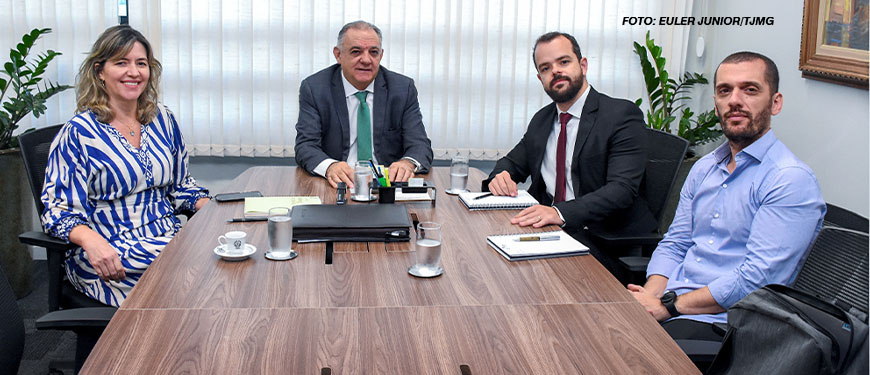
[{"x": 747, "y": 215}]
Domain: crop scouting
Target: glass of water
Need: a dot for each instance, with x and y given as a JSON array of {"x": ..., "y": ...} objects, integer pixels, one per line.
[
  {"x": 428, "y": 247},
  {"x": 458, "y": 174},
  {"x": 280, "y": 234},
  {"x": 362, "y": 179}
]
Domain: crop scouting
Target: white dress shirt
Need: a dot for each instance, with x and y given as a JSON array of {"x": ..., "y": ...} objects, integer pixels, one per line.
[{"x": 548, "y": 165}]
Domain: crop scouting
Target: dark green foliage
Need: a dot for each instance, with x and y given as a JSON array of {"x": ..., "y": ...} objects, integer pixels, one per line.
[
  {"x": 22, "y": 80},
  {"x": 667, "y": 98}
]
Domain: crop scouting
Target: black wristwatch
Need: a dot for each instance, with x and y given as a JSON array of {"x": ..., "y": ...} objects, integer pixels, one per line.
[{"x": 669, "y": 299}]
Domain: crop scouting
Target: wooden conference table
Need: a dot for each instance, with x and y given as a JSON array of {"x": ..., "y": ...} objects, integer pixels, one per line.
[{"x": 364, "y": 314}]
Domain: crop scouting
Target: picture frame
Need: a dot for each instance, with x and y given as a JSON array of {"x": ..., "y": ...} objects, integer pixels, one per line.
[{"x": 834, "y": 45}]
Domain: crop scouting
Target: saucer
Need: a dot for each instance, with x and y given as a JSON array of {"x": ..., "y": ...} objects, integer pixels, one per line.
[
  {"x": 418, "y": 271},
  {"x": 249, "y": 249},
  {"x": 291, "y": 255},
  {"x": 456, "y": 192},
  {"x": 372, "y": 197}
]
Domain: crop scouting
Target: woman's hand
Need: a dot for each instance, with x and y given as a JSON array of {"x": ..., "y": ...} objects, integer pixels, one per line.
[
  {"x": 102, "y": 256},
  {"x": 199, "y": 203}
]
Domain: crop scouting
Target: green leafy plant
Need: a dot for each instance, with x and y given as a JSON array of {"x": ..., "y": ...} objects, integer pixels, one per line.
[
  {"x": 21, "y": 92},
  {"x": 668, "y": 97}
]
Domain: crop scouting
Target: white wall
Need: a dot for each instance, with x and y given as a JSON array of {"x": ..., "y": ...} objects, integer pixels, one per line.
[{"x": 824, "y": 124}]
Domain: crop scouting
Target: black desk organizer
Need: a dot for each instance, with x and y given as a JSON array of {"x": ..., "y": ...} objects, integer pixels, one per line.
[{"x": 411, "y": 190}]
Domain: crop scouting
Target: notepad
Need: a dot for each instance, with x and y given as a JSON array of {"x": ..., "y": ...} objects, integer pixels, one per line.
[
  {"x": 259, "y": 206},
  {"x": 509, "y": 246},
  {"x": 492, "y": 202}
]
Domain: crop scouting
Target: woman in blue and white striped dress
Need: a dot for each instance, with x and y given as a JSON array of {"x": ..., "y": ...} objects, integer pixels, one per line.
[{"x": 117, "y": 171}]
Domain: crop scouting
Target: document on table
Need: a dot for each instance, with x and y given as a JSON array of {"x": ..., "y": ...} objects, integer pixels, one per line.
[{"x": 259, "y": 206}]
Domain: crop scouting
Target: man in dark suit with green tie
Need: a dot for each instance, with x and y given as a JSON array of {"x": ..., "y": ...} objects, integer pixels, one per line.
[{"x": 357, "y": 110}]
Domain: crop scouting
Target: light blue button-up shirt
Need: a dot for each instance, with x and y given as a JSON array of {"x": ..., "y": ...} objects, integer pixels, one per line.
[{"x": 736, "y": 232}]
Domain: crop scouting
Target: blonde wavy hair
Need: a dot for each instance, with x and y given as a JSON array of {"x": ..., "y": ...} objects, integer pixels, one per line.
[{"x": 91, "y": 93}]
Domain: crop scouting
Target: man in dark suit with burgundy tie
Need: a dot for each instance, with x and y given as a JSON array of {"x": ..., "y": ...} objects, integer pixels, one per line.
[{"x": 585, "y": 153}]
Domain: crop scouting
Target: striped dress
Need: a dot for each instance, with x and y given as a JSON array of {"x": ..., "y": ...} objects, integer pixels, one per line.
[{"x": 95, "y": 177}]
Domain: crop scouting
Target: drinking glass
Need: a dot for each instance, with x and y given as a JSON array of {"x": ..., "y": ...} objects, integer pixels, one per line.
[
  {"x": 428, "y": 247},
  {"x": 280, "y": 234},
  {"x": 362, "y": 179},
  {"x": 458, "y": 174}
]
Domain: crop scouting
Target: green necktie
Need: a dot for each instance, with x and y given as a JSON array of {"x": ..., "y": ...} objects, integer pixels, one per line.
[{"x": 363, "y": 129}]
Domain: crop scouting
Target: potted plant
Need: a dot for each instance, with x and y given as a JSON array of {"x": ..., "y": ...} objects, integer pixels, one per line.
[
  {"x": 22, "y": 92},
  {"x": 668, "y": 100}
]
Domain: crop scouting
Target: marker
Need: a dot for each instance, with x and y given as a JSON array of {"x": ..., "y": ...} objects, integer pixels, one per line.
[
  {"x": 538, "y": 238},
  {"x": 482, "y": 196},
  {"x": 246, "y": 219}
]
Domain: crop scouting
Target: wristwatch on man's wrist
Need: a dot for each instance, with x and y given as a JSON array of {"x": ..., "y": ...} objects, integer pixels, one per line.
[{"x": 669, "y": 299}]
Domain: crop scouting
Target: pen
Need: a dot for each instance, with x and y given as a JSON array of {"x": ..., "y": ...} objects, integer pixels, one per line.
[
  {"x": 538, "y": 238},
  {"x": 372, "y": 164},
  {"x": 482, "y": 196},
  {"x": 245, "y": 219}
]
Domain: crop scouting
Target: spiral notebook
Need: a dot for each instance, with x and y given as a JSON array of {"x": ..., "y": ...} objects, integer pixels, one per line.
[
  {"x": 525, "y": 246},
  {"x": 492, "y": 202}
]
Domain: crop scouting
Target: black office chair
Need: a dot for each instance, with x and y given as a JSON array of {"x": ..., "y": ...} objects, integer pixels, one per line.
[
  {"x": 665, "y": 155},
  {"x": 35, "y": 146},
  {"x": 62, "y": 296},
  {"x": 840, "y": 217},
  {"x": 836, "y": 270},
  {"x": 12, "y": 329}
]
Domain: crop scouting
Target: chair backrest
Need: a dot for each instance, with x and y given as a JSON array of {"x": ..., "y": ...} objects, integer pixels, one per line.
[
  {"x": 665, "y": 153},
  {"x": 840, "y": 217},
  {"x": 35, "y": 146},
  {"x": 12, "y": 328},
  {"x": 836, "y": 268}
]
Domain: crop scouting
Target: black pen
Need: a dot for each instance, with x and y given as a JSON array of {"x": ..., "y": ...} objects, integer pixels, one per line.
[
  {"x": 482, "y": 196},
  {"x": 245, "y": 219},
  {"x": 374, "y": 169}
]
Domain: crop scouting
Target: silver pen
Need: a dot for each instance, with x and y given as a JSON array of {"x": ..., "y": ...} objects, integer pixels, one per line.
[{"x": 538, "y": 238}]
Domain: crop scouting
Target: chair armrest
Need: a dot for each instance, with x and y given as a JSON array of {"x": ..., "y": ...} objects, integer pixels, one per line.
[
  {"x": 43, "y": 240},
  {"x": 186, "y": 213},
  {"x": 700, "y": 350},
  {"x": 635, "y": 264},
  {"x": 71, "y": 319},
  {"x": 626, "y": 239},
  {"x": 720, "y": 328}
]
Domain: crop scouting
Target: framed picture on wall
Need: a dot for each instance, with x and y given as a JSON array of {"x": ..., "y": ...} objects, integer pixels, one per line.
[{"x": 834, "y": 42}]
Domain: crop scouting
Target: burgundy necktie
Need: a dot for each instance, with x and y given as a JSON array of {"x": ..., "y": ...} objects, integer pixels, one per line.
[{"x": 560, "y": 159}]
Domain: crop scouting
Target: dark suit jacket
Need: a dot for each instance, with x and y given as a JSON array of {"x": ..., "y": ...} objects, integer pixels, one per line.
[
  {"x": 323, "y": 129},
  {"x": 606, "y": 171}
]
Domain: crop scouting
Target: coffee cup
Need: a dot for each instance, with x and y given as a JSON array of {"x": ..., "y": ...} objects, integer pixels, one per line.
[{"x": 233, "y": 242}]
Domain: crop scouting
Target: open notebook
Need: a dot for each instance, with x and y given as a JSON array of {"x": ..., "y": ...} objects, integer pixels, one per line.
[
  {"x": 512, "y": 248},
  {"x": 492, "y": 202},
  {"x": 259, "y": 206}
]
